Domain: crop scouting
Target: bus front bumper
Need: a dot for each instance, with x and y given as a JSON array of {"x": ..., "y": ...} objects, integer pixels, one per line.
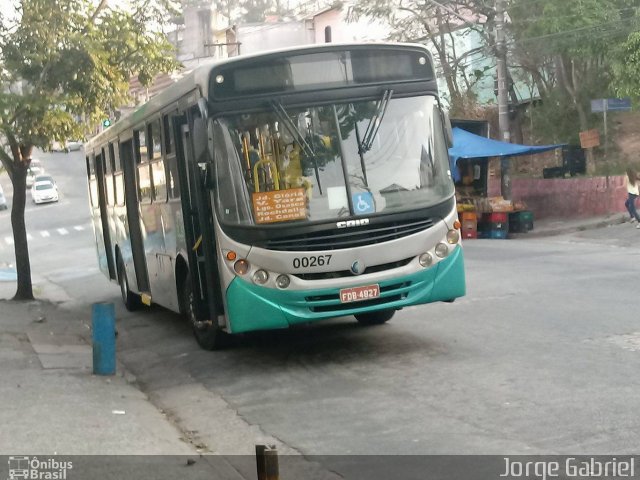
[{"x": 252, "y": 307}]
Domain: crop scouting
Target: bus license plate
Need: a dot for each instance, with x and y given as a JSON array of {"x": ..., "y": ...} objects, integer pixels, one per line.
[{"x": 359, "y": 294}]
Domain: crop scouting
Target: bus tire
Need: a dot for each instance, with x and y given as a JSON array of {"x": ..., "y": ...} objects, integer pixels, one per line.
[
  {"x": 131, "y": 300},
  {"x": 375, "y": 318},
  {"x": 209, "y": 337}
]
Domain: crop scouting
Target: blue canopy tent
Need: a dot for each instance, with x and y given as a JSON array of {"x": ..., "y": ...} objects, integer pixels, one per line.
[{"x": 468, "y": 145}]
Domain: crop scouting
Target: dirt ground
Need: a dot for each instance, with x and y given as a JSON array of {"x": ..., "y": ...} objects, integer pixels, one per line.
[{"x": 627, "y": 135}]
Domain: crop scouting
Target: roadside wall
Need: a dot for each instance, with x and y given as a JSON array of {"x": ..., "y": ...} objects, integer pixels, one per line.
[{"x": 567, "y": 197}]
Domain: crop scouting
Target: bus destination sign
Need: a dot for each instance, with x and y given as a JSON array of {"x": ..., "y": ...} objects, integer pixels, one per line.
[{"x": 280, "y": 205}]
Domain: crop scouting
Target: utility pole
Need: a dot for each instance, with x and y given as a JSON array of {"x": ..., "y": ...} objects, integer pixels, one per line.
[{"x": 503, "y": 96}]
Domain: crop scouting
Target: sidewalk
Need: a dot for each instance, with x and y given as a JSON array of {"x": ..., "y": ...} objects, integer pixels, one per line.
[
  {"x": 548, "y": 227},
  {"x": 52, "y": 404},
  {"x": 54, "y": 407}
]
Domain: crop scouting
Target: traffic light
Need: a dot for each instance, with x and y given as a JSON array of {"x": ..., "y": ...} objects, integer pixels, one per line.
[{"x": 106, "y": 122}]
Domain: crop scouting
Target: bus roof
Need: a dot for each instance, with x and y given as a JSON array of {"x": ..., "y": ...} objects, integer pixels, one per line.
[{"x": 198, "y": 79}]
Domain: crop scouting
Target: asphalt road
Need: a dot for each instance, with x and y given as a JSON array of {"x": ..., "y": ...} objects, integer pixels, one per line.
[
  {"x": 54, "y": 229},
  {"x": 541, "y": 356}
]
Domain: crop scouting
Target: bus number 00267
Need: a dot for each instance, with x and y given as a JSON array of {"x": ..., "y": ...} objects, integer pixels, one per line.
[{"x": 313, "y": 261}]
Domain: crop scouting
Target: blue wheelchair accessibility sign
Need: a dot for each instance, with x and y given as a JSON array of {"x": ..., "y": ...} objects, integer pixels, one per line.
[{"x": 363, "y": 203}]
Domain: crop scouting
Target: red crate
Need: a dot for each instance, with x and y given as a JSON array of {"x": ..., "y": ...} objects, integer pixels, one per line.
[
  {"x": 495, "y": 217},
  {"x": 469, "y": 234}
]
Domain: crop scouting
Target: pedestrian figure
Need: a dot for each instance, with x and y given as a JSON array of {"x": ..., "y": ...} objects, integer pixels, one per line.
[{"x": 632, "y": 194}]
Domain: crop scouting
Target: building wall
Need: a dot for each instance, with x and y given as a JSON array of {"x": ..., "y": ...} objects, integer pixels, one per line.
[
  {"x": 203, "y": 27},
  {"x": 364, "y": 30},
  {"x": 269, "y": 36},
  {"x": 567, "y": 197}
]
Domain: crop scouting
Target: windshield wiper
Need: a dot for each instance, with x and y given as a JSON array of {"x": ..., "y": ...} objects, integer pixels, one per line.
[
  {"x": 283, "y": 116},
  {"x": 374, "y": 123}
]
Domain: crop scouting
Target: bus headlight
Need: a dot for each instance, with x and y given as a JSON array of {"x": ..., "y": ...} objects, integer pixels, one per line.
[
  {"x": 260, "y": 277},
  {"x": 453, "y": 236},
  {"x": 442, "y": 250},
  {"x": 283, "y": 281},
  {"x": 425, "y": 259},
  {"x": 241, "y": 267}
]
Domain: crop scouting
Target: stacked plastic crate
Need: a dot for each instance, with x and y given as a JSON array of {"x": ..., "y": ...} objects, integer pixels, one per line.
[
  {"x": 469, "y": 222},
  {"x": 521, "y": 221},
  {"x": 493, "y": 225}
]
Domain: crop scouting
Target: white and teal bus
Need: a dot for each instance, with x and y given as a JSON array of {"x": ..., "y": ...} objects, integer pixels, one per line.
[{"x": 264, "y": 191}]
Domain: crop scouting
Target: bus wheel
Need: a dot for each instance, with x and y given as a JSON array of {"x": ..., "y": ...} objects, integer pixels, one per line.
[
  {"x": 375, "y": 318},
  {"x": 208, "y": 336},
  {"x": 131, "y": 300}
]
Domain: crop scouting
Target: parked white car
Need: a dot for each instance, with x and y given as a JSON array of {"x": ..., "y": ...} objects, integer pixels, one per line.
[
  {"x": 3, "y": 200},
  {"x": 44, "y": 192},
  {"x": 45, "y": 178},
  {"x": 68, "y": 146},
  {"x": 73, "y": 145},
  {"x": 35, "y": 169}
]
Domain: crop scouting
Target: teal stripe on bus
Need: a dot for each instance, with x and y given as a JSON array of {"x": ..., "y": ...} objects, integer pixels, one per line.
[{"x": 252, "y": 307}]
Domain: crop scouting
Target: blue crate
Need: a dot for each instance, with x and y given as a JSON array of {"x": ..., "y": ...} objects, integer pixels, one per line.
[{"x": 493, "y": 234}]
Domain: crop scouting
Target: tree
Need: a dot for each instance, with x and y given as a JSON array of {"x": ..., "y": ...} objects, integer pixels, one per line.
[
  {"x": 61, "y": 61},
  {"x": 568, "y": 48},
  {"x": 626, "y": 67}
]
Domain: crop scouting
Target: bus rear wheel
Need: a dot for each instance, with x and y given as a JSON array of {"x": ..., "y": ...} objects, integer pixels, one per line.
[
  {"x": 131, "y": 300},
  {"x": 208, "y": 335},
  {"x": 375, "y": 318}
]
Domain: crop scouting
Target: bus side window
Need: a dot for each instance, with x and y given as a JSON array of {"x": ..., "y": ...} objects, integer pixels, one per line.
[
  {"x": 173, "y": 182},
  {"x": 118, "y": 179},
  {"x": 159, "y": 181},
  {"x": 155, "y": 143},
  {"x": 144, "y": 183},
  {"x": 142, "y": 146},
  {"x": 142, "y": 160},
  {"x": 108, "y": 165}
]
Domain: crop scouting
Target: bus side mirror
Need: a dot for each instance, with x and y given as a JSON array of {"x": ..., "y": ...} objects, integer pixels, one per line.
[
  {"x": 202, "y": 106},
  {"x": 448, "y": 131}
]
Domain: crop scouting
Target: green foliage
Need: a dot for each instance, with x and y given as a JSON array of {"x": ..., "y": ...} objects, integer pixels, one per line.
[
  {"x": 255, "y": 10},
  {"x": 66, "y": 60},
  {"x": 575, "y": 27},
  {"x": 626, "y": 68},
  {"x": 569, "y": 48},
  {"x": 245, "y": 11},
  {"x": 65, "y": 65},
  {"x": 555, "y": 119}
]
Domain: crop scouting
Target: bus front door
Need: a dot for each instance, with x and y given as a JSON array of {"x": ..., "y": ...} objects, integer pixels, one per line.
[
  {"x": 199, "y": 233},
  {"x": 102, "y": 199},
  {"x": 133, "y": 216}
]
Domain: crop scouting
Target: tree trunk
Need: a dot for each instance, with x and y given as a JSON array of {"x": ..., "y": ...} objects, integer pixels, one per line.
[
  {"x": 23, "y": 265},
  {"x": 569, "y": 81}
]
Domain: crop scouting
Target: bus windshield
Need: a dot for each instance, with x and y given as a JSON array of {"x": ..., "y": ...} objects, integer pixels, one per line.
[{"x": 318, "y": 163}]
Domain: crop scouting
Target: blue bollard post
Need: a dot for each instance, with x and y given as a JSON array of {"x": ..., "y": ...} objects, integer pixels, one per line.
[{"x": 103, "y": 322}]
